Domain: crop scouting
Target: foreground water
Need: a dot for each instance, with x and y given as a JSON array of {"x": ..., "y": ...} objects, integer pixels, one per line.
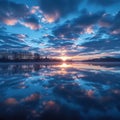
[{"x": 65, "y": 91}]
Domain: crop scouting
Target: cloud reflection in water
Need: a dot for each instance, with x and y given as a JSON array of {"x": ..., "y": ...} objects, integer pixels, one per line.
[{"x": 59, "y": 91}]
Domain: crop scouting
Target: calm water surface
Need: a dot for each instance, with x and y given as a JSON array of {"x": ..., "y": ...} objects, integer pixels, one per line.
[{"x": 65, "y": 91}]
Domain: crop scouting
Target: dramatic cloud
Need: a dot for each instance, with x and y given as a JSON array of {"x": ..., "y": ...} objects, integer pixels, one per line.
[
  {"x": 20, "y": 36},
  {"x": 12, "y": 41},
  {"x": 103, "y": 2},
  {"x": 10, "y": 12},
  {"x": 111, "y": 22},
  {"x": 83, "y": 24},
  {"x": 31, "y": 23},
  {"x": 103, "y": 45},
  {"x": 54, "y": 9},
  {"x": 116, "y": 24}
]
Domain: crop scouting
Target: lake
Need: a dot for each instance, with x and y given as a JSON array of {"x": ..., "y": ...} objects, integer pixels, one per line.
[{"x": 59, "y": 91}]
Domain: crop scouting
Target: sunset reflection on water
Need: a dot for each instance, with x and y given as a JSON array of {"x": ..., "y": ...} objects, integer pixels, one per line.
[{"x": 59, "y": 91}]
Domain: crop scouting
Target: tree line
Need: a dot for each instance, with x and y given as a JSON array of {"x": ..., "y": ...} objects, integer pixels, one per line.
[{"x": 24, "y": 57}]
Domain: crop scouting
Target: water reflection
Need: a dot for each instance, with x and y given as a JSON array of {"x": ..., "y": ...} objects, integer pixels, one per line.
[{"x": 65, "y": 91}]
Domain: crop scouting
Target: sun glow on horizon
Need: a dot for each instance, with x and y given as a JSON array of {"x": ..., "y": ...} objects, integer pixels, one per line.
[{"x": 64, "y": 58}]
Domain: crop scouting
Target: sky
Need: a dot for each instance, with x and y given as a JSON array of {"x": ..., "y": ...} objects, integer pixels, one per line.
[{"x": 75, "y": 29}]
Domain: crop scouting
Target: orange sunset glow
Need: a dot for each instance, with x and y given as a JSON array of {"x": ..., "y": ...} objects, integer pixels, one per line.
[{"x": 64, "y": 58}]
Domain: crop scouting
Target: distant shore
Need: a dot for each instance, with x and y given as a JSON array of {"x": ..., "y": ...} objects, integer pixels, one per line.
[{"x": 49, "y": 62}]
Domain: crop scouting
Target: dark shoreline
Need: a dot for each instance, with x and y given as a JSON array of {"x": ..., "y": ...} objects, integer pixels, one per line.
[
  {"x": 49, "y": 62},
  {"x": 30, "y": 63}
]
